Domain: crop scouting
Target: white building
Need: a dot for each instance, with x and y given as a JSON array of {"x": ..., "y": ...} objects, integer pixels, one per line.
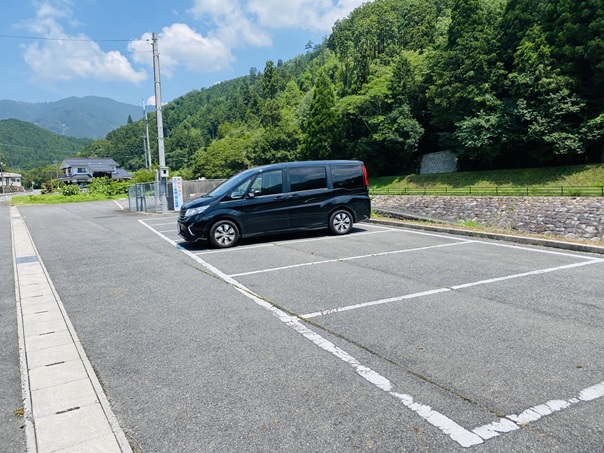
[
  {"x": 10, "y": 182},
  {"x": 82, "y": 170}
]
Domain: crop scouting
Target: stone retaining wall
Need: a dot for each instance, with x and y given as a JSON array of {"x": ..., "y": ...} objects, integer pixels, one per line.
[{"x": 566, "y": 217}]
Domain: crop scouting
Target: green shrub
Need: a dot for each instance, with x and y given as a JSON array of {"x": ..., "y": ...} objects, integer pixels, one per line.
[
  {"x": 107, "y": 187},
  {"x": 69, "y": 190}
]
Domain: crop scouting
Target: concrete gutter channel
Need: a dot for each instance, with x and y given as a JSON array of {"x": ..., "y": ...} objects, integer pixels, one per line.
[
  {"x": 399, "y": 218},
  {"x": 65, "y": 408}
]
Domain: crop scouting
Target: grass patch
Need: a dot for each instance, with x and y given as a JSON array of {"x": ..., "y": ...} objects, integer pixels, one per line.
[
  {"x": 548, "y": 177},
  {"x": 462, "y": 225},
  {"x": 55, "y": 198},
  {"x": 469, "y": 224}
]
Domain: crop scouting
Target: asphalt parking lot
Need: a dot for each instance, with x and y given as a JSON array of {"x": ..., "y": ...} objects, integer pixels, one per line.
[
  {"x": 387, "y": 339},
  {"x": 480, "y": 339}
]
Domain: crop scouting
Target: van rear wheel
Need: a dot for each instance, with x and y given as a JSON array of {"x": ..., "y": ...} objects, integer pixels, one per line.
[
  {"x": 223, "y": 234},
  {"x": 340, "y": 222}
]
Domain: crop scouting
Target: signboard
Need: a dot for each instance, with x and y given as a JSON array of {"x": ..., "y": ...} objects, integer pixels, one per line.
[{"x": 177, "y": 188}]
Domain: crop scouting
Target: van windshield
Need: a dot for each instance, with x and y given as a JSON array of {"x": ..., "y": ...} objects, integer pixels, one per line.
[{"x": 229, "y": 184}]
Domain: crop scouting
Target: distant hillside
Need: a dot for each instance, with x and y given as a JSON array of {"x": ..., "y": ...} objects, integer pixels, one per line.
[
  {"x": 87, "y": 117},
  {"x": 25, "y": 146}
]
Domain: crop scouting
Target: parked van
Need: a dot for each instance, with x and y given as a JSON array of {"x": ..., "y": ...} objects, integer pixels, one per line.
[{"x": 279, "y": 198}]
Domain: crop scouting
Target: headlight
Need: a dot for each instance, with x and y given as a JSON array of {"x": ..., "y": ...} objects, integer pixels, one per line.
[{"x": 194, "y": 211}]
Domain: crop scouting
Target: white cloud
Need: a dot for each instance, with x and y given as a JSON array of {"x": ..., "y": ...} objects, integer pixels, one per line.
[
  {"x": 251, "y": 18},
  {"x": 230, "y": 22},
  {"x": 67, "y": 57},
  {"x": 180, "y": 45},
  {"x": 315, "y": 15}
]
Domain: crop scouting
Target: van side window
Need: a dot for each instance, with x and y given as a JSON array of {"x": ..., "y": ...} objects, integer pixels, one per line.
[
  {"x": 239, "y": 191},
  {"x": 268, "y": 183},
  {"x": 307, "y": 178},
  {"x": 347, "y": 176}
]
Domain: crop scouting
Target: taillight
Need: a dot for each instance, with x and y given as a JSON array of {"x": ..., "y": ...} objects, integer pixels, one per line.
[{"x": 365, "y": 176}]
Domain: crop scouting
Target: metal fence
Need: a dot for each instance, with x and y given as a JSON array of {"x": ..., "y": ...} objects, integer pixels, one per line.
[
  {"x": 144, "y": 197},
  {"x": 534, "y": 191},
  {"x": 147, "y": 197}
]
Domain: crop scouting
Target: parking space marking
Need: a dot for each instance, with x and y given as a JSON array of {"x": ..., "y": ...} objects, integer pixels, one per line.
[
  {"x": 447, "y": 289},
  {"x": 536, "y": 250},
  {"x": 373, "y": 303},
  {"x": 464, "y": 437},
  {"x": 525, "y": 274},
  {"x": 532, "y": 414},
  {"x": 456, "y": 432},
  {"x": 294, "y": 241},
  {"x": 393, "y": 252}
]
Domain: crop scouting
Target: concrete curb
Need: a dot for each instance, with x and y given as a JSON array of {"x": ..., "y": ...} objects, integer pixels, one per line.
[
  {"x": 65, "y": 407},
  {"x": 576, "y": 247}
]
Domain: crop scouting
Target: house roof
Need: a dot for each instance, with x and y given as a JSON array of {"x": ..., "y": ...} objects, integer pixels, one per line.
[
  {"x": 120, "y": 173},
  {"x": 89, "y": 162},
  {"x": 94, "y": 165}
]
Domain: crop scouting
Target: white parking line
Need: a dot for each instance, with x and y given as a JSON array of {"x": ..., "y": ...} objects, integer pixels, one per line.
[
  {"x": 532, "y": 414},
  {"x": 394, "y": 252},
  {"x": 375, "y": 302},
  {"x": 293, "y": 241},
  {"x": 536, "y": 250},
  {"x": 444, "y": 290},
  {"x": 464, "y": 437}
]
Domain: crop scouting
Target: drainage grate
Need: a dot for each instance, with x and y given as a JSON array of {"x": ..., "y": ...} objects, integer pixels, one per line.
[{"x": 26, "y": 259}]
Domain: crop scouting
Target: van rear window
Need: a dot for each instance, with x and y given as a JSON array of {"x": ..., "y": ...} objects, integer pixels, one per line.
[
  {"x": 347, "y": 176},
  {"x": 307, "y": 178}
]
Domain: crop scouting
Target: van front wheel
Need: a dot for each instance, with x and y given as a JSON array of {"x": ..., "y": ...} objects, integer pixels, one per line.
[
  {"x": 340, "y": 222},
  {"x": 223, "y": 234}
]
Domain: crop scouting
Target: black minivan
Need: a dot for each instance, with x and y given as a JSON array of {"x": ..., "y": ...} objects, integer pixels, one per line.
[{"x": 278, "y": 198}]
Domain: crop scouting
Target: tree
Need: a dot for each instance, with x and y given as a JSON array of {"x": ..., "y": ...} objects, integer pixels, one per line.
[
  {"x": 270, "y": 81},
  {"x": 222, "y": 158},
  {"x": 464, "y": 74},
  {"x": 539, "y": 118},
  {"x": 518, "y": 17},
  {"x": 322, "y": 121},
  {"x": 575, "y": 30},
  {"x": 182, "y": 142},
  {"x": 547, "y": 112}
]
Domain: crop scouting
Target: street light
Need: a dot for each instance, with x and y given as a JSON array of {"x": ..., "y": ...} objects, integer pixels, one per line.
[{"x": 1, "y": 176}]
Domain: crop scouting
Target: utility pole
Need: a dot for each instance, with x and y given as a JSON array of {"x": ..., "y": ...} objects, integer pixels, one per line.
[
  {"x": 146, "y": 144},
  {"x": 163, "y": 170}
]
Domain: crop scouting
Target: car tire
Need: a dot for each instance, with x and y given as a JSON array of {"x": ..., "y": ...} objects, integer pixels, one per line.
[
  {"x": 340, "y": 222},
  {"x": 223, "y": 234}
]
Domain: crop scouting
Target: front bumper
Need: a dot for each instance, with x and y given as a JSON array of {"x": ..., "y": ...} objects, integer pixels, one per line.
[{"x": 191, "y": 230}]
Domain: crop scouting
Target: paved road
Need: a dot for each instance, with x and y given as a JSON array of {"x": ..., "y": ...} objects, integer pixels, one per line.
[{"x": 403, "y": 341}]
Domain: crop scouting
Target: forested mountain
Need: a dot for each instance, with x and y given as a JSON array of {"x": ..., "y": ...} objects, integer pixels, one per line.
[
  {"x": 87, "y": 117},
  {"x": 500, "y": 83},
  {"x": 24, "y": 146}
]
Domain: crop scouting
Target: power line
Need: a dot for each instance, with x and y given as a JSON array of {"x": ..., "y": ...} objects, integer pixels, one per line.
[{"x": 39, "y": 38}]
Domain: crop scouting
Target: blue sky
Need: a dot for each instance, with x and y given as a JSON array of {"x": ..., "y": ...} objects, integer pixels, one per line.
[{"x": 53, "y": 49}]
